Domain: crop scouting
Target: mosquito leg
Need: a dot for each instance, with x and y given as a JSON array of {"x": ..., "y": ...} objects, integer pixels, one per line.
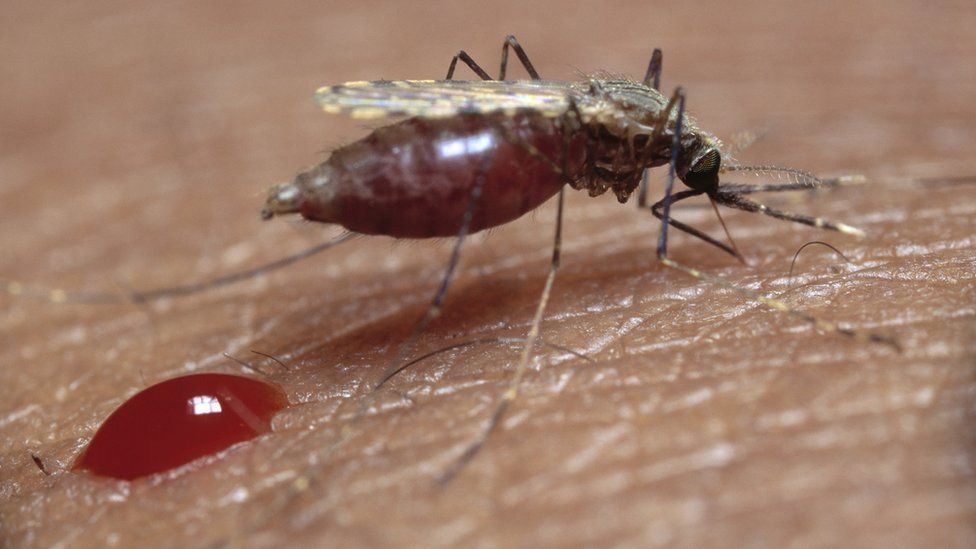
[
  {"x": 652, "y": 77},
  {"x": 463, "y": 56},
  {"x": 510, "y": 41},
  {"x": 677, "y": 197},
  {"x": 665, "y": 117},
  {"x": 642, "y": 190},
  {"x": 662, "y": 243},
  {"x": 662, "y": 254},
  {"x": 725, "y": 228},
  {"x": 734, "y": 200},
  {"x": 511, "y": 393}
]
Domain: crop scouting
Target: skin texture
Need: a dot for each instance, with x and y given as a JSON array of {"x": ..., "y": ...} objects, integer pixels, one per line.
[{"x": 136, "y": 146}]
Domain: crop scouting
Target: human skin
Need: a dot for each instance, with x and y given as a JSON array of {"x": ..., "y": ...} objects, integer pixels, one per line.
[{"x": 136, "y": 146}]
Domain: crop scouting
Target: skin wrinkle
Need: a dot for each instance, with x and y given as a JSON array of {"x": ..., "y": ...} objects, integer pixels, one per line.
[{"x": 93, "y": 193}]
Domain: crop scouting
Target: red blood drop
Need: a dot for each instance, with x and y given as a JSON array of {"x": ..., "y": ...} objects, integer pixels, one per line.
[{"x": 179, "y": 420}]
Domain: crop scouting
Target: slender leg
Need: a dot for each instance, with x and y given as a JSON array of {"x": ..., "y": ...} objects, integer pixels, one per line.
[
  {"x": 733, "y": 200},
  {"x": 510, "y": 41},
  {"x": 64, "y": 296},
  {"x": 656, "y": 210},
  {"x": 463, "y": 56},
  {"x": 659, "y": 129},
  {"x": 662, "y": 243},
  {"x": 652, "y": 77},
  {"x": 511, "y": 393},
  {"x": 662, "y": 253}
]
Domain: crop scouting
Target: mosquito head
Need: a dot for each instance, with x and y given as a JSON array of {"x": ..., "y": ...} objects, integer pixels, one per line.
[{"x": 702, "y": 171}]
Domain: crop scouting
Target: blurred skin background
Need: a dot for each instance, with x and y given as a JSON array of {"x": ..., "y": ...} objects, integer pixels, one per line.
[{"x": 136, "y": 144}]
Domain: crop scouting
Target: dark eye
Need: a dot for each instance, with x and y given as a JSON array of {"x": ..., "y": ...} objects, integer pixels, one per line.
[
  {"x": 709, "y": 163},
  {"x": 703, "y": 174}
]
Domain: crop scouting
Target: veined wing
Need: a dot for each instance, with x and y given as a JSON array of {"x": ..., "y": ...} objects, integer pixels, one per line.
[{"x": 444, "y": 98}]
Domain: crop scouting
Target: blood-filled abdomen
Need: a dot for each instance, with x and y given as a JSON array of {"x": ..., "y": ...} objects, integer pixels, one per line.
[{"x": 414, "y": 179}]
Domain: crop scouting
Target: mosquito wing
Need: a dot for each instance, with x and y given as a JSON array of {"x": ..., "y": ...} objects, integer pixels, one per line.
[{"x": 445, "y": 98}]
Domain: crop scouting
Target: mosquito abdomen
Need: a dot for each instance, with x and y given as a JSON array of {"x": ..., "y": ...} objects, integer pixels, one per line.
[{"x": 414, "y": 179}]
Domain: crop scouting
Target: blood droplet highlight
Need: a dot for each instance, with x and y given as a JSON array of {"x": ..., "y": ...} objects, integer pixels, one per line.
[{"x": 179, "y": 420}]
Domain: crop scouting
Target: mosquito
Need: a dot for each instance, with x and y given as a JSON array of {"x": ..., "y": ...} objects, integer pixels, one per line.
[{"x": 470, "y": 155}]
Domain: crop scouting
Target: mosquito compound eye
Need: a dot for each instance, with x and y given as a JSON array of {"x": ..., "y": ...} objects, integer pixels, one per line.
[
  {"x": 703, "y": 174},
  {"x": 178, "y": 421}
]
